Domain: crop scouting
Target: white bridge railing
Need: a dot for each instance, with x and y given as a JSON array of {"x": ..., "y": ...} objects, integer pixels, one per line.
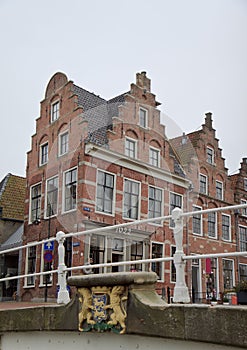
[{"x": 181, "y": 292}]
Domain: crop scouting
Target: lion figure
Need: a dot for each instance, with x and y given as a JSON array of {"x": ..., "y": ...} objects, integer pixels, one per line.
[
  {"x": 86, "y": 307},
  {"x": 119, "y": 314}
]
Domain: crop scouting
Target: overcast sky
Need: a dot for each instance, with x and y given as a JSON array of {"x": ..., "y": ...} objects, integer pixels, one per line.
[{"x": 195, "y": 52}]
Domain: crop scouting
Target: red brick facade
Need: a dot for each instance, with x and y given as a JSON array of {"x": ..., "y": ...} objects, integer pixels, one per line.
[{"x": 96, "y": 163}]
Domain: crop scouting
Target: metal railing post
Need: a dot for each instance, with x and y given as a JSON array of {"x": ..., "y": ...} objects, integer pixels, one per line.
[
  {"x": 63, "y": 294},
  {"x": 181, "y": 292}
]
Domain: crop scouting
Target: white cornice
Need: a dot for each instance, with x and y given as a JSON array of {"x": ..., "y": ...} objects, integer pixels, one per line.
[{"x": 134, "y": 164}]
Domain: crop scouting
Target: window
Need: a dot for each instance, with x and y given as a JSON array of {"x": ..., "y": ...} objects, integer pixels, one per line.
[
  {"x": 243, "y": 238},
  {"x": 197, "y": 221},
  {"x": 219, "y": 190},
  {"x": 228, "y": 275},
  {"x": 43, "y": 154},
  {"x": 136, "y": 254},
  {"x": 131, "y": 200},
  {"x": 45, "y": 266},
  {"x": 51, "y": 197},
  {"x": 244, "y": 210},
  {"x": 210, "y": 155},
  {"x": 64, "y": 143},
  {"x": 130, "y": 148},
  {"x": 70, "y": 189},
  {"x": 203, "y": 184},
  {"x": 211, "y": 277},
  {"x": 97, "y": 251},
  {"x": 154, "y": 157},
  {"x": 173, "y": 268},
  {"x": 35, "y": 203},
  {"x": 226, "y": 227},
  {"x": 30, "y": 266},
  {"x": 212, "y": 228},
  {"x": 245, "y": 183},
  {"x": 104, "y": 194},
  {"x": 154, "y": 203},
  {"x": 143, "y": 113},
  {"x": 175, "y": 202},
  {"x": 156, "y": 253},
  {"x": 54, "y": 111},
  {"x": 243, "y": 272}
]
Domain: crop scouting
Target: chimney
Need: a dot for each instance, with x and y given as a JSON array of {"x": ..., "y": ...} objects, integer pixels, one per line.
[
  {"x": 143, "y": 81},
  {"x": 208, "y": 120}
]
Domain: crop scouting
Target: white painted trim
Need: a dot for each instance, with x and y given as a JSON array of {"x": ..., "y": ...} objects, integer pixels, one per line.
[{"x": 135, "y": 164}]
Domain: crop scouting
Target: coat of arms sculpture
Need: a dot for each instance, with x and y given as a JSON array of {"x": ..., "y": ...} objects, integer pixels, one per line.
[{"x": 103, "y": 308}]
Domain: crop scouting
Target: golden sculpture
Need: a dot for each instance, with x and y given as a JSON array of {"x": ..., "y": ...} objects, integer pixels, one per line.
[
  {"x": 86, "y": 307},
  {"x": 119, "y": 314},
  {"x": 102, "y": 308}
]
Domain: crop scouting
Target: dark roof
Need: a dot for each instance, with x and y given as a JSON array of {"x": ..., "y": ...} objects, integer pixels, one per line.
[
  {"x": 12, "y": 197},
  {"x": 98, "y": 112},
  {"x": 15, "y": 240}
]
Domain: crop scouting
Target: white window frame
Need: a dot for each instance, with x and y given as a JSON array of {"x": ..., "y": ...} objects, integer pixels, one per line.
[
  {"x": 211, "y": 156},
  {"x": 229, "y": 227},
  {"x": 41, "y": 148},
  {"x": 26, "y": 285},
  {"x": 162, "y": 255},
  {"x": 139, "y": 199},
  {"x": 64, "y": 185},
  {"x": 206, "y": 182},
  {"x": 60, "y": 153},
  {"x": 233, "y": 272},
  {"x": 31, "y": 200},
  {"x": 156, "y": 151},
  {"x": 171, "y": 224},
  {"x": 222, "y": 190},
  {"x": 55, "y": 113},
  {"x": 244, "y": 210},
  {"x": 113, "y": 193},
  {"x": 239, "y": 269},
  {"x": 145, "y": 111},
  {"x": 242, "y": 242},
  {"x": 215, "y": 226},
  {"x": 127, "y": 150},
  {"x": 46, "y": 197},
  {"x": 158, "y": 223},
  {"x": 197, "y": 208}
]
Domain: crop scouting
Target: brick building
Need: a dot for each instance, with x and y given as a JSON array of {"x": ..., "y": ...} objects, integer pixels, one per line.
[
  {"x": 95, "y": 163},
  {"x": 12, "y": 198}
]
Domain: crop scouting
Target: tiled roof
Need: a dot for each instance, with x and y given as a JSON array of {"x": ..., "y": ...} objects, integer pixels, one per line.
[
  {"x": 15, "y": 240},
  {"x": 98, "y": 112},
  {"x": 12, "y": 197}
]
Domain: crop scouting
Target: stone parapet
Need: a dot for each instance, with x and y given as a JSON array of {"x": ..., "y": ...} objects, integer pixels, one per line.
[{"x": 142, "y": 312}]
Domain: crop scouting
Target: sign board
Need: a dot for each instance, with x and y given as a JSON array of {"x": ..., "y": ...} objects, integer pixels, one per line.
[
  {"x": 48, "y": 257},
  {"x": 49, "y": 245}
]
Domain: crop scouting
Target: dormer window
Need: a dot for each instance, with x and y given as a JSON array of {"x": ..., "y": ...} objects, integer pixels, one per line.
[
  {"x": 143, "y": 117},
  {"x": 54, "y": 111},
  {"x": 210, "y": 155}
]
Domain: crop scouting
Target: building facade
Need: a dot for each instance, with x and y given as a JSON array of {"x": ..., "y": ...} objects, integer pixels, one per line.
[
  {"x": 12, "y": 198},
  {"x": 96, "y": 163}
]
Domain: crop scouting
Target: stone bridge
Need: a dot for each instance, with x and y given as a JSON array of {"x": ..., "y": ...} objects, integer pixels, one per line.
[{"x": 121, "y": 311}]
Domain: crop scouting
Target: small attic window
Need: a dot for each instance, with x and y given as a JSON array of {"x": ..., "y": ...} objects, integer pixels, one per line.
[{"x": 55, "y": 111}]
